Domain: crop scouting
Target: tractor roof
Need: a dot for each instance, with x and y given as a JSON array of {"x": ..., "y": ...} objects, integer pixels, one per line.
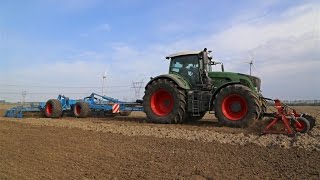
[{"x": 183, "y": 54}]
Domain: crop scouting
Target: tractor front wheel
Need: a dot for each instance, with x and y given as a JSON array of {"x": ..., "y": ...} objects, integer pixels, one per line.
[
  {"x": 164, "y": 102},
  {"x": 236, "y": 106}
]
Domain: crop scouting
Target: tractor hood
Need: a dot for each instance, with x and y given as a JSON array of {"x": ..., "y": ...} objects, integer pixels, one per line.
[
  {"x": 255, "y": 80},
  {"x": 220, "y": 78}
]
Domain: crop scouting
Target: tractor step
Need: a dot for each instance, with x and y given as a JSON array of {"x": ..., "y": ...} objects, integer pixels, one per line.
[
  {"x": 195, "y": 108},
  {"x": 195, "y": 103}
]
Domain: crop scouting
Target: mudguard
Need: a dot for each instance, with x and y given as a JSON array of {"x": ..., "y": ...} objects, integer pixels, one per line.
[{"x": 180, "y": 81}]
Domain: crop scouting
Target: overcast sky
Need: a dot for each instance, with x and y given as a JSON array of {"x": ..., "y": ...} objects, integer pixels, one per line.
[{"x": 48, "y": 47}]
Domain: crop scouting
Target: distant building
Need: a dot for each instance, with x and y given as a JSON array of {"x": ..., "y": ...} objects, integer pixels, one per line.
[{"x": 2, "y": 101}]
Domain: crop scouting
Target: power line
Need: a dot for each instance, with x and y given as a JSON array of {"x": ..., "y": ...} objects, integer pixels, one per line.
[{"x": 137, "y": 86}]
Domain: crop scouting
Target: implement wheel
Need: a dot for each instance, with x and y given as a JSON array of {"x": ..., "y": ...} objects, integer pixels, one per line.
[
  {"x": 302, "y": 127},
  {"x": 164, "y": 102},
  {"x": 312, "y": 120},
  {"x": 53, "y": 109},
  {"x": 81, "y": 109},
  {"x": 236, "y": 106}
]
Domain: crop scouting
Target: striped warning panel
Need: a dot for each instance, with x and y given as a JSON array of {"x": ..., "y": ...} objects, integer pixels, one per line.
[{"x": 115, "y": 108}]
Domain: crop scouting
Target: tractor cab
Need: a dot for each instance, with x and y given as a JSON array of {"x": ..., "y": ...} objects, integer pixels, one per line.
[
  {"x": 186, "y": 65},
  {"x": 192, "y": 66}
]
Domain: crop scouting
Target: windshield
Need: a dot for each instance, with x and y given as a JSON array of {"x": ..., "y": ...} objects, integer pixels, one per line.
[{"x": 186, "y": 66}]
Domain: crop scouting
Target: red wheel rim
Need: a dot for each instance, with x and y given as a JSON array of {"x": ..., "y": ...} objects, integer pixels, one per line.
[
  {"x": 299, "y": 126},
  {"x": 162, "y": 102},
  {"x": 49, "y": 109},
  {"x": 78, "y": 109},
  {"x": 234, "y": 107}
]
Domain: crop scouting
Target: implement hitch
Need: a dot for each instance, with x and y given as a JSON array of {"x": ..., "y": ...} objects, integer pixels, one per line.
[{"x": 293, "y": 122}]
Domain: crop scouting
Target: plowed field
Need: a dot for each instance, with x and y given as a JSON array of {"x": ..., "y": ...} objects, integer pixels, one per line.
[{"x": 129, "y": 148}]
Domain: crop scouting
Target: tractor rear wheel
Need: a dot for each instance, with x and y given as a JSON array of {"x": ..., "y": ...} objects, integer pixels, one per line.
[
  {"x": 53, "y": 109},
  {"x": 236, "y": 106},
  {"x": 81, "y": 109},
  {"x": 164, "y": 102}
]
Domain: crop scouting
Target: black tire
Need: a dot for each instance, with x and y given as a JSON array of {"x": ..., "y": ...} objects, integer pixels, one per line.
[
  {"x": 264, "y": 105},
  {"x": 125, "y": 113},
  {"x": 245, "y": 104},
  {"x": 109, "y": 114},
  {"x": 81, "y": 109},
  {"x": 189, "y": 118},
  {"x": 164, "y": 102},
  {"x": 312, "y": 120},
  {"x": 53, "y": 109},
  {"x": 305, "y": 125}
]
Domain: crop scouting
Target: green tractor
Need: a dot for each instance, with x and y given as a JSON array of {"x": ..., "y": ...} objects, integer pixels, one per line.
[{"x": 191, "y": 89}]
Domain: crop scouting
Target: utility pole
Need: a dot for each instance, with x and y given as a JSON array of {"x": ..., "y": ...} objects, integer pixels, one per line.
[{"x": 137, "y": 86}]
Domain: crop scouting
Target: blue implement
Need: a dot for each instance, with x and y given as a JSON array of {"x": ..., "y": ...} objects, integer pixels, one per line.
[{"x": 96, "y": 102}]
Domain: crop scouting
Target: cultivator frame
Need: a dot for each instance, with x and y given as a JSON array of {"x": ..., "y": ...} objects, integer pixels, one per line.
[
  {"x": 108, "y": 104},
  {"x": 293, "y": 121},
  {"x": 97, "y": 103},
  {"x": 18, "y": 112}
]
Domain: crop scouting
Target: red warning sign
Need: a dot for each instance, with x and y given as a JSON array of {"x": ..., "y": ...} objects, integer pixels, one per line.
[{"x": 115, "y": 108}]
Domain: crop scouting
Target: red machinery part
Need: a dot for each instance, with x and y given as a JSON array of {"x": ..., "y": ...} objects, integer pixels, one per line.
[
  {"x": 293, "y": 122},
  {"x": 162, "y": 102},
  {"x": 240, "y": 107}
]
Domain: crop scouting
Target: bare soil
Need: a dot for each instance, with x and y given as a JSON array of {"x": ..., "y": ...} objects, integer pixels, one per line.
[
  {"x": 4, "y": 108},
  {"x": 128, "y": 148}
]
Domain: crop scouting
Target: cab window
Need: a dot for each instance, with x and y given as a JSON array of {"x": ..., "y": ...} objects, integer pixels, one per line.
[{"x": 186, "y": 66}]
